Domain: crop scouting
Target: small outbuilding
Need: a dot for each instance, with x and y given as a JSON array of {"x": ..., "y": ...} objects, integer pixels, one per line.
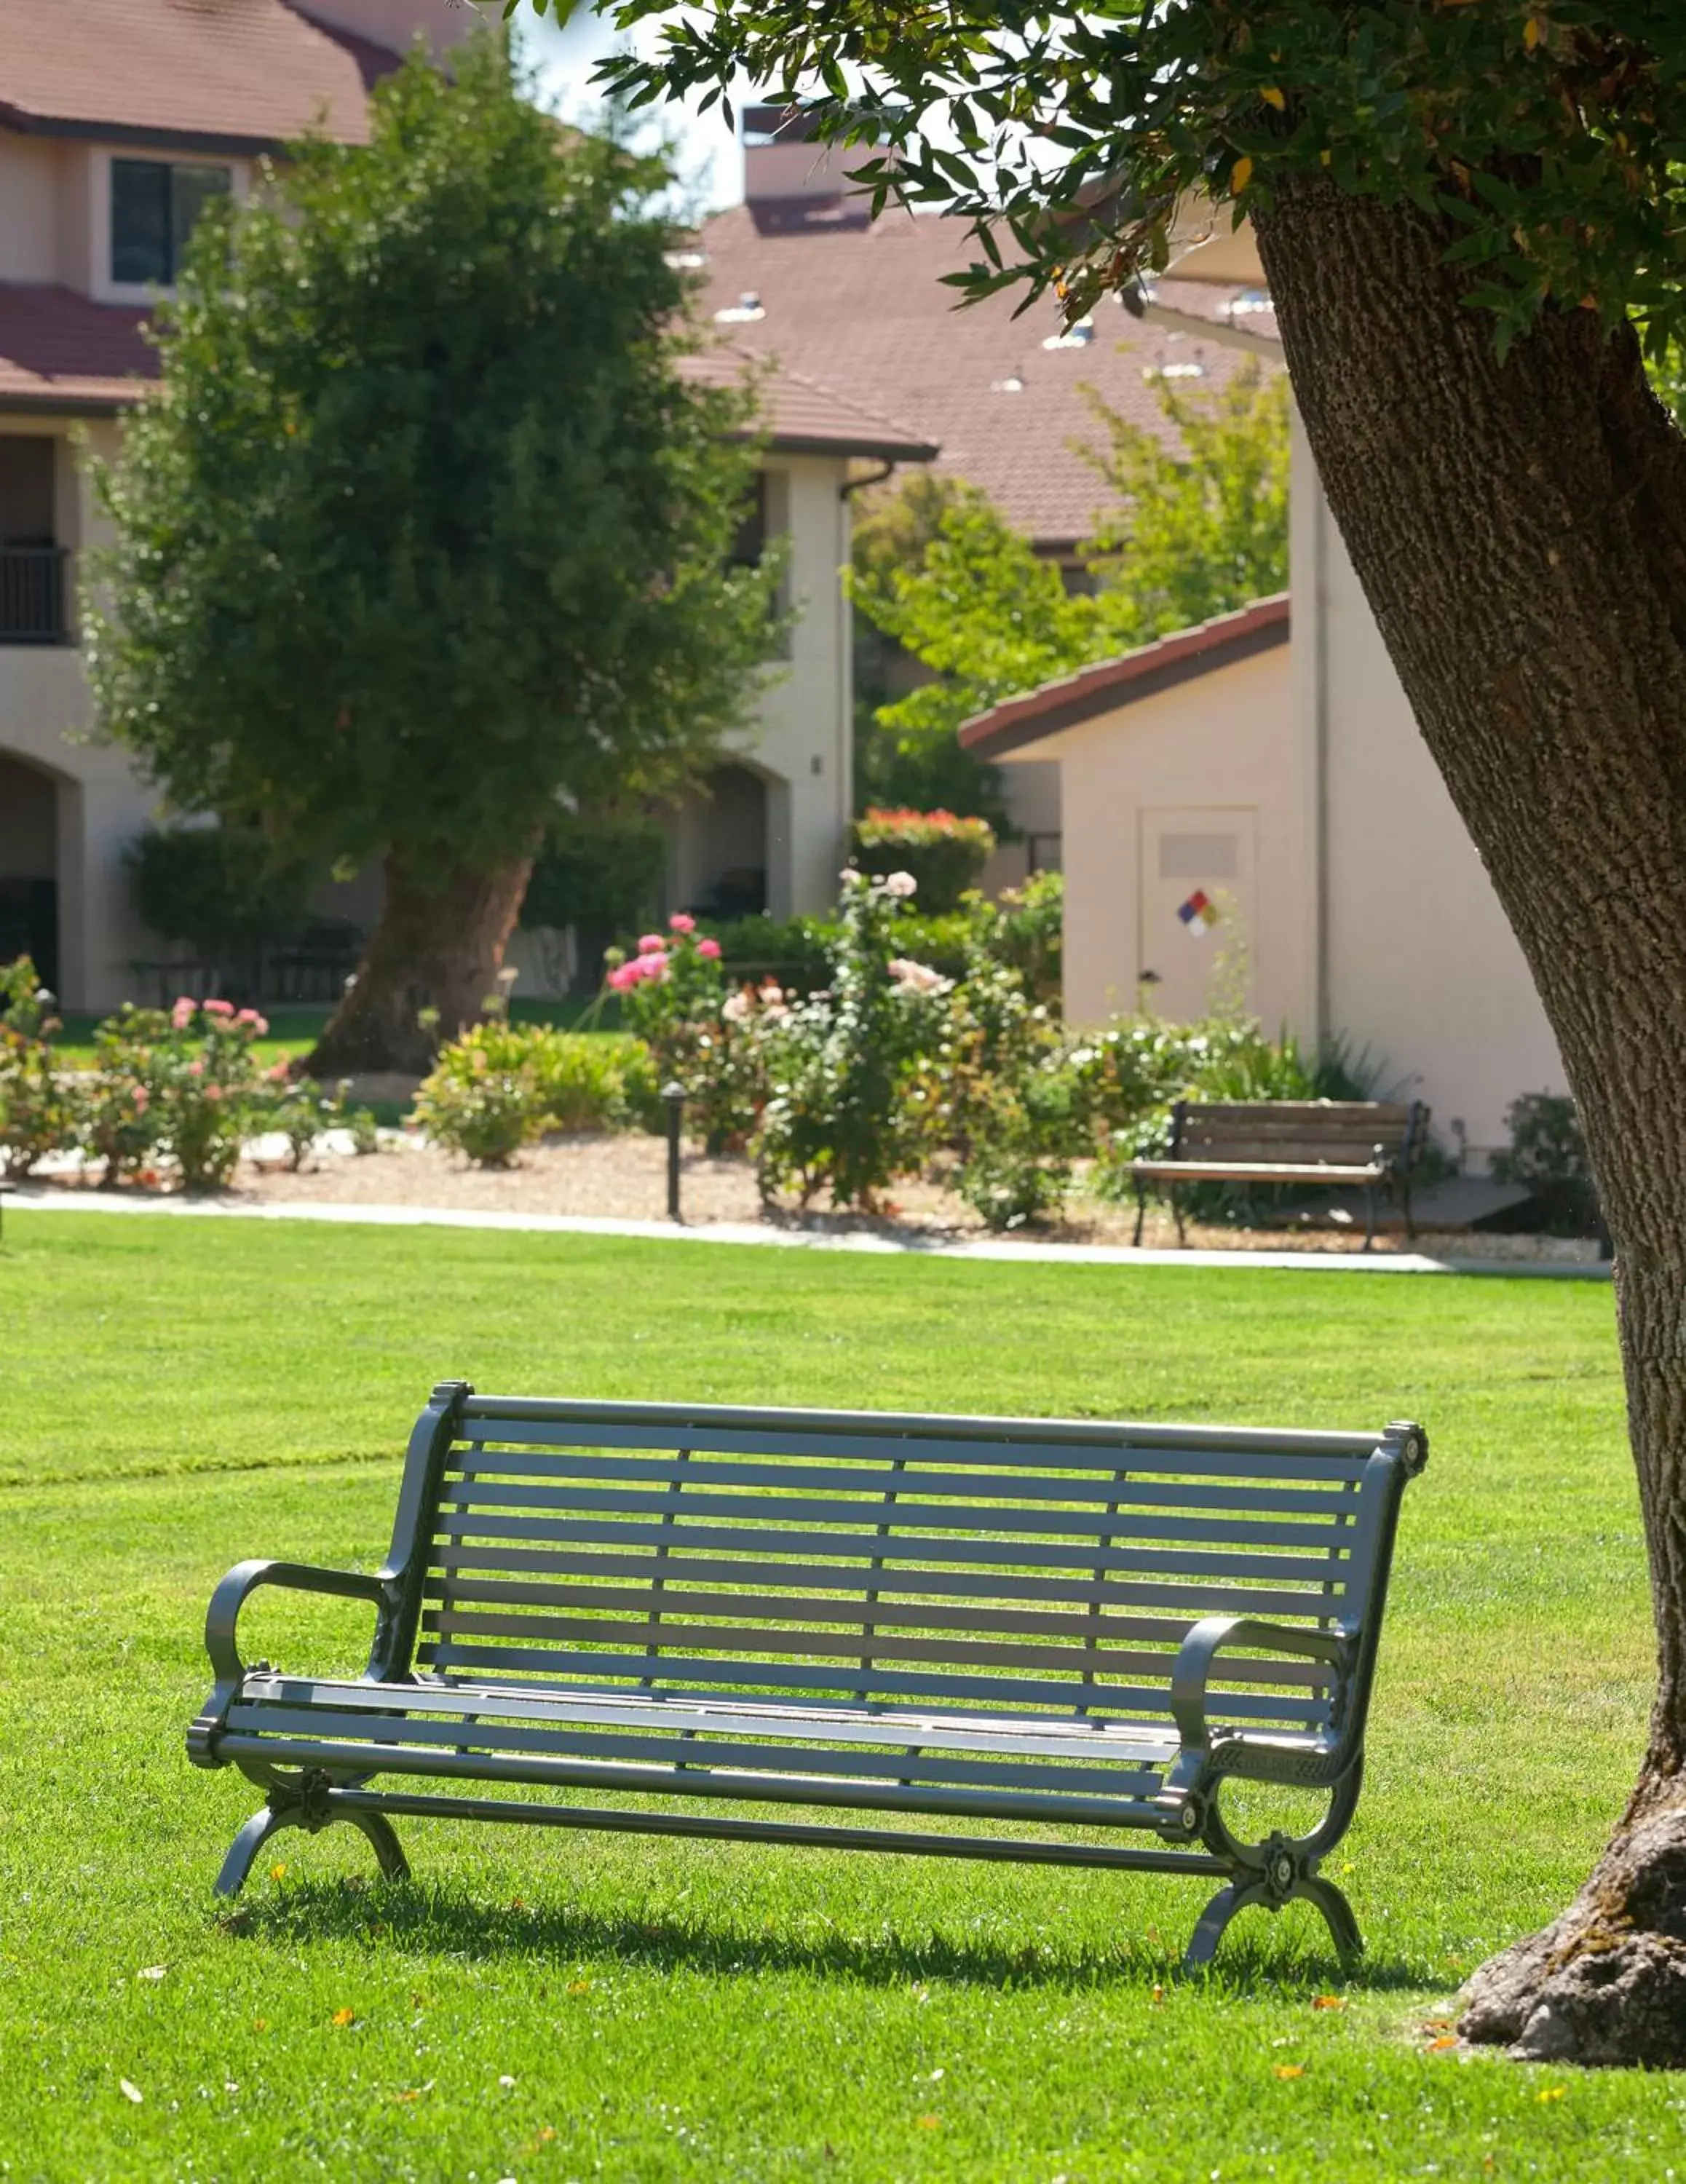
[{"x": 1250, "y": 816}]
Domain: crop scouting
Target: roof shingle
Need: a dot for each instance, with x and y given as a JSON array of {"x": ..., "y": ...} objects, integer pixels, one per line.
[
  {"x": 800, "y": 416},
  {"x": 235, "y": 71},
  {"x": 861, "y": 306},
  {"x": 59, "y": 351}
]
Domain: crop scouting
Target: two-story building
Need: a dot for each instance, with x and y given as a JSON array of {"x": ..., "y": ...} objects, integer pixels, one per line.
[{"x": 118, "y": 121}]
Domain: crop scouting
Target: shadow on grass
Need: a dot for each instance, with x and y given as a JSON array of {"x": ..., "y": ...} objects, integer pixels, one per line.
[{"x": 442, "y": 1920}]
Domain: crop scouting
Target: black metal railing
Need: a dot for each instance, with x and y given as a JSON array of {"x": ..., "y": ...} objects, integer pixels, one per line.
[{"x": 32, "y": 589}]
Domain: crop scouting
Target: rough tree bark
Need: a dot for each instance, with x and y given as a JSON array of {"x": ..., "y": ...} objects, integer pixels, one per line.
[
  {"x": 1520, "y": 532},
  {"x": 438, "y": 944}
]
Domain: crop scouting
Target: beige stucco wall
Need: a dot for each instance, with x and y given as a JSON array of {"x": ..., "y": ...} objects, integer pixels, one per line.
[
  {"x": 1222, "y": 743},
  {"x": 29, "y": 207},
  {"x": 1419, "y": 966},
  {"x": 44, "y": 716},
  {"x": 799, "y": 735}
]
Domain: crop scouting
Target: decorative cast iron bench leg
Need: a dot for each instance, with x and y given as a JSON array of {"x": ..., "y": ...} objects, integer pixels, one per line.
[
  {"x": 1280, "y": 1870},
  {"x": 1305, "y": 1888},
  {"x": 313, "y": 1811}
]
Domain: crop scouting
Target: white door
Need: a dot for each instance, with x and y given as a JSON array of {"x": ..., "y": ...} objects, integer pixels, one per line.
[{"x": 1198, "y": 909}]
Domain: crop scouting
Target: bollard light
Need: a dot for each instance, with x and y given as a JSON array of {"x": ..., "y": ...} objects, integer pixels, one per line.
[{"x": 673, "y": 1095}]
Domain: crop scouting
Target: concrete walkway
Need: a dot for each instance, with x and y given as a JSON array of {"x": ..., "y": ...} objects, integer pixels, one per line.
[{"x": 35, "y": 1198}]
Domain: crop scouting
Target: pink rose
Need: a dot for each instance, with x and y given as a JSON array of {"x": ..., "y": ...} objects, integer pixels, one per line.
[
  {"x": 183, "y": 1014},
  {"x": 278, "y": 1074},
  {"x": 650, "y": 944},
  {"x": 219, "y": 1008},
  {"x": 709, "y": 947},
  {"x": 680, "y": 921},
  {"x": 196, "y": 1068},
  {"x": 139, "y": 1096},
  {"x": 624, "y": 976},
  {"x": 213, "y": 1091},
  {"x": 259, "y": 1024}
]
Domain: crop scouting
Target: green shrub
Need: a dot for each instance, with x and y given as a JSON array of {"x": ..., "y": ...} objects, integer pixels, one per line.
[
  {"x": 219, "y": 890},
  {"x": 597, "y": 871},
  {"x": 843, "y": 1067},
  {"x": 123, "y": 1119},
  {"x": 500, "y": 1086},
  {"x": 37, "y": 1111},
  {"x": 1547, "y": 1154},
  {"x": 207, "y": 1089},
  {"x": 943, "y": 855},
  {"x": 482, "y": 1098}
]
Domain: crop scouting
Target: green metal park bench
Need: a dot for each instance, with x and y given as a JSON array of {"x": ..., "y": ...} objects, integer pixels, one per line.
[{"x": 1079, "y": 1630}]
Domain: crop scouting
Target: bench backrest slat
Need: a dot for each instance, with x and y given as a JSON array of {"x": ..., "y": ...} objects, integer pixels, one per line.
[
  {"x": 1302, "y": 1131},
  {"x": 1051, "y": 1566}
]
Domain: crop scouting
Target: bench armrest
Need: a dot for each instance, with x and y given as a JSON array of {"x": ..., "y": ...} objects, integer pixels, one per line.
[
  {"x": 1192, "y": 1670},
  {"x": 244, "y": 1579}
]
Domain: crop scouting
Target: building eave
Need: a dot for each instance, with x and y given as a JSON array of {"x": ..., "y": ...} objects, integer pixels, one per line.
[{"x": 1110, "y": 685}]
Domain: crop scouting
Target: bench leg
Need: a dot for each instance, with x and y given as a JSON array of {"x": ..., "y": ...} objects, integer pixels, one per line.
[
  {"x": 1178, "y": 1215},
  {"x": 1141, "y": 1215},
  {"x": 313, "y": 1809},
  {"x": 1369, "y": 1215},
  {"x": 1216, "y": 1916},
  {"x": 1337, "y": 1915},
  {"x": 1241, "y": 1893}
]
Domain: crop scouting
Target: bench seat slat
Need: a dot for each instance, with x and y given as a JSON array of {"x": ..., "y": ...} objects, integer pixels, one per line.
[
  {"x": 1257, "y": 1171},
  {"x": 1107, "y": 1488},
  {"x": 936, "y": 1583},
  {"x": 706, "y": 1749},
  {"x": 1006, "y": 1553},
  {"x": 697, "y": 1502},
  {"x": 570, "y": 1666},
  {"x": 1113, "y": 1629},
  {"x": 1060, "y": 1737}
]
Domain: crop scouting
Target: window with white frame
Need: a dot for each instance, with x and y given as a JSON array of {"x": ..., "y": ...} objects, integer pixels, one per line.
[{"x": 155, "y": 204}]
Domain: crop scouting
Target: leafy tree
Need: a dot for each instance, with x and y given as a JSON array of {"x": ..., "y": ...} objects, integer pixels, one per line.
[
  {"x": 1197, "y": 526},
  {"x": 425, "y": 527},
  {"x": 1472, "y": 218}
]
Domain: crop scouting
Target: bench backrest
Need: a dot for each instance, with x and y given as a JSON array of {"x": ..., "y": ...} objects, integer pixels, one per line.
[
  {"x": 936, "y": 1564},
  {"x": 1300, "y": 1131}
]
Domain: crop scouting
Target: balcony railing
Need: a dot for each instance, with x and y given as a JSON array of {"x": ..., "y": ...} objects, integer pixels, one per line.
[{"x": 33, "y": 580}]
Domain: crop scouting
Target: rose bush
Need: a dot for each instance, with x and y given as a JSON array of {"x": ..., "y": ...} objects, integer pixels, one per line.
[{"x": 36, "y": 1114}]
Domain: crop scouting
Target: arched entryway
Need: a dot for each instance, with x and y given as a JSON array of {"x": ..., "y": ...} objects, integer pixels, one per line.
[
  {"x": 29, "y": 865},
  {"x": 718, "y": 862}
]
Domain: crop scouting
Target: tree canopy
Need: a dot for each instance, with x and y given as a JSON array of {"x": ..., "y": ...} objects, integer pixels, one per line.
[
  {"x": 426, "y": 527},
  {"x": 1550, "y": 135}
]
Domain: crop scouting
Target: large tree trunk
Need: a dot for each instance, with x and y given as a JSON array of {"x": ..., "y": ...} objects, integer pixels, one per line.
[
  {"x": 438, "y": 945},
  {"x": 1520, "y": 532}
]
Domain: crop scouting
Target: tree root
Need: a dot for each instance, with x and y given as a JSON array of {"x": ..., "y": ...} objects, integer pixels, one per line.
[{"x": 1606, "y": 1983}]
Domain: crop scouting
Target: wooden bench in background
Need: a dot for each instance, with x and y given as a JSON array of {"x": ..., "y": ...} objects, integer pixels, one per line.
[
  {"x": 1034, "y": 1639},
  {"x": 1369, "y": 1144}
]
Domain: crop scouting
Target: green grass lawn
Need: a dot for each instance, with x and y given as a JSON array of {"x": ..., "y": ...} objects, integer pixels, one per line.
[{"x": 544, "y": 2006}]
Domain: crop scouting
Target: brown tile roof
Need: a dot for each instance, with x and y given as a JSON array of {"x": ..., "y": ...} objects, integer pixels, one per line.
[
  {"x": 59, "y": 351},
  {"x": 861, "y": 307},
  {"x": 803, "y": 417},
  {"x": 1109, "y": 684},
  {"x": 231, "y": 72}
]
